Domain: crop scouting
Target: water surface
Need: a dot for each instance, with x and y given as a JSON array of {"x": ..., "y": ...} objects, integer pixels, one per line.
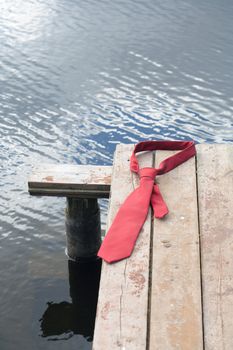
[{"x": 76, "y": 78}]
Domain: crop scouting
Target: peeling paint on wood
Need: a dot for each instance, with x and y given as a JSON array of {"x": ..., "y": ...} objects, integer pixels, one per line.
[{"x": 84, "y": 181}]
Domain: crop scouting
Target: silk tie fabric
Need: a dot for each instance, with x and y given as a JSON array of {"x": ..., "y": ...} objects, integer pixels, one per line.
[{"x": 122, "y": 235}]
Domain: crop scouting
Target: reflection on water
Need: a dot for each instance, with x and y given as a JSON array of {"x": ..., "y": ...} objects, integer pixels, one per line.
[
  {"x": 61, "y": 320},
  {"x": 58, "y": 319},
  {"x": 77, "y": 77}
]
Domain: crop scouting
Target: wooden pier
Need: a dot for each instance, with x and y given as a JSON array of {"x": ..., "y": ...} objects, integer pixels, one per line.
[{"x": 176, "y": 290}]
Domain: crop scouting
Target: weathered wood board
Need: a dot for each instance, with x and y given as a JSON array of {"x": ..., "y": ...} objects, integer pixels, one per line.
[
  {"x": 71, "y": 180},
  {"x": 215, "y": 197},
  {"x": 176, "y": 312},
  {"x": 121, "y": 320}
]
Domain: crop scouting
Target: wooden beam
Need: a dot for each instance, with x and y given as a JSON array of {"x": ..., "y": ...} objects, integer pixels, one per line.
[
  {"x": 176, "y": 311},
  {"x": 84, "y": 181},
  {"x": 121, "y": 320},
  {"x": 215, "y": 196}
]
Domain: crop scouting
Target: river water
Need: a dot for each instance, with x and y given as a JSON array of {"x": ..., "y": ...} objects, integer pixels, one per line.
[{"x": 76, "y": 78}]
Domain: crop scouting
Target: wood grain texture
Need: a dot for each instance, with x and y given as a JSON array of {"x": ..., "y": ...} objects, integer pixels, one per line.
[
  {"x": 176, "y": 312},
  {"x": 71, "y": 180},
  {"x": 215, "y": 189},
  {"x": 121, "y": 320}
]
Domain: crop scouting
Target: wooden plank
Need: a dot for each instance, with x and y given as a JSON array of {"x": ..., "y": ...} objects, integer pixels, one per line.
[
  {"x": 215, "y": 195},
  {"x": 121, "y": 320},
  {"x": 71, "y": 180},
  {"x": 176, "y": 312}
]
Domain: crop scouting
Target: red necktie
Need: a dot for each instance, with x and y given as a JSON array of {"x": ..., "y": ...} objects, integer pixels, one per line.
[{"x": 122, "y": 235}]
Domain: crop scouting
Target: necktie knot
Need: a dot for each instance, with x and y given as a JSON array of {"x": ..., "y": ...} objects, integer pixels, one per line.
[{"x": 148, "y": 172}]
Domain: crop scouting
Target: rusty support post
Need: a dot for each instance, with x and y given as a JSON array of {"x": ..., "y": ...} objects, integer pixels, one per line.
[{"x": 83, "y": 229}]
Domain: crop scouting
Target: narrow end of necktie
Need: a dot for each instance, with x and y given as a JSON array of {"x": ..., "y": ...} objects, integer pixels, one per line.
[
  {"x": 159, "y": 206},
  {"x": 160, "y": 215}
]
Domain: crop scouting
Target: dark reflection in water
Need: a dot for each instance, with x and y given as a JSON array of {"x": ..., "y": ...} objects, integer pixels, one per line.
[
  {"x": 58, "y": 319},
  {"x": 61, "y": 320}
]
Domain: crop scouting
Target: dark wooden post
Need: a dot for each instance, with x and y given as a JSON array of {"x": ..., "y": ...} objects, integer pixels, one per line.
[{"x": 83, "y": 227}]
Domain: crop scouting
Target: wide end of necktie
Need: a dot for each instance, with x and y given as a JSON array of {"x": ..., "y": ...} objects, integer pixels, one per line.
[
  {"x": 110, "y": 259},
  {"x": 112, "y": 250}
]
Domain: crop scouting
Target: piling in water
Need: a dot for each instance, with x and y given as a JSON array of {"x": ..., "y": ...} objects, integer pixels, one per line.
[{"x": 83, "y": 229}]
